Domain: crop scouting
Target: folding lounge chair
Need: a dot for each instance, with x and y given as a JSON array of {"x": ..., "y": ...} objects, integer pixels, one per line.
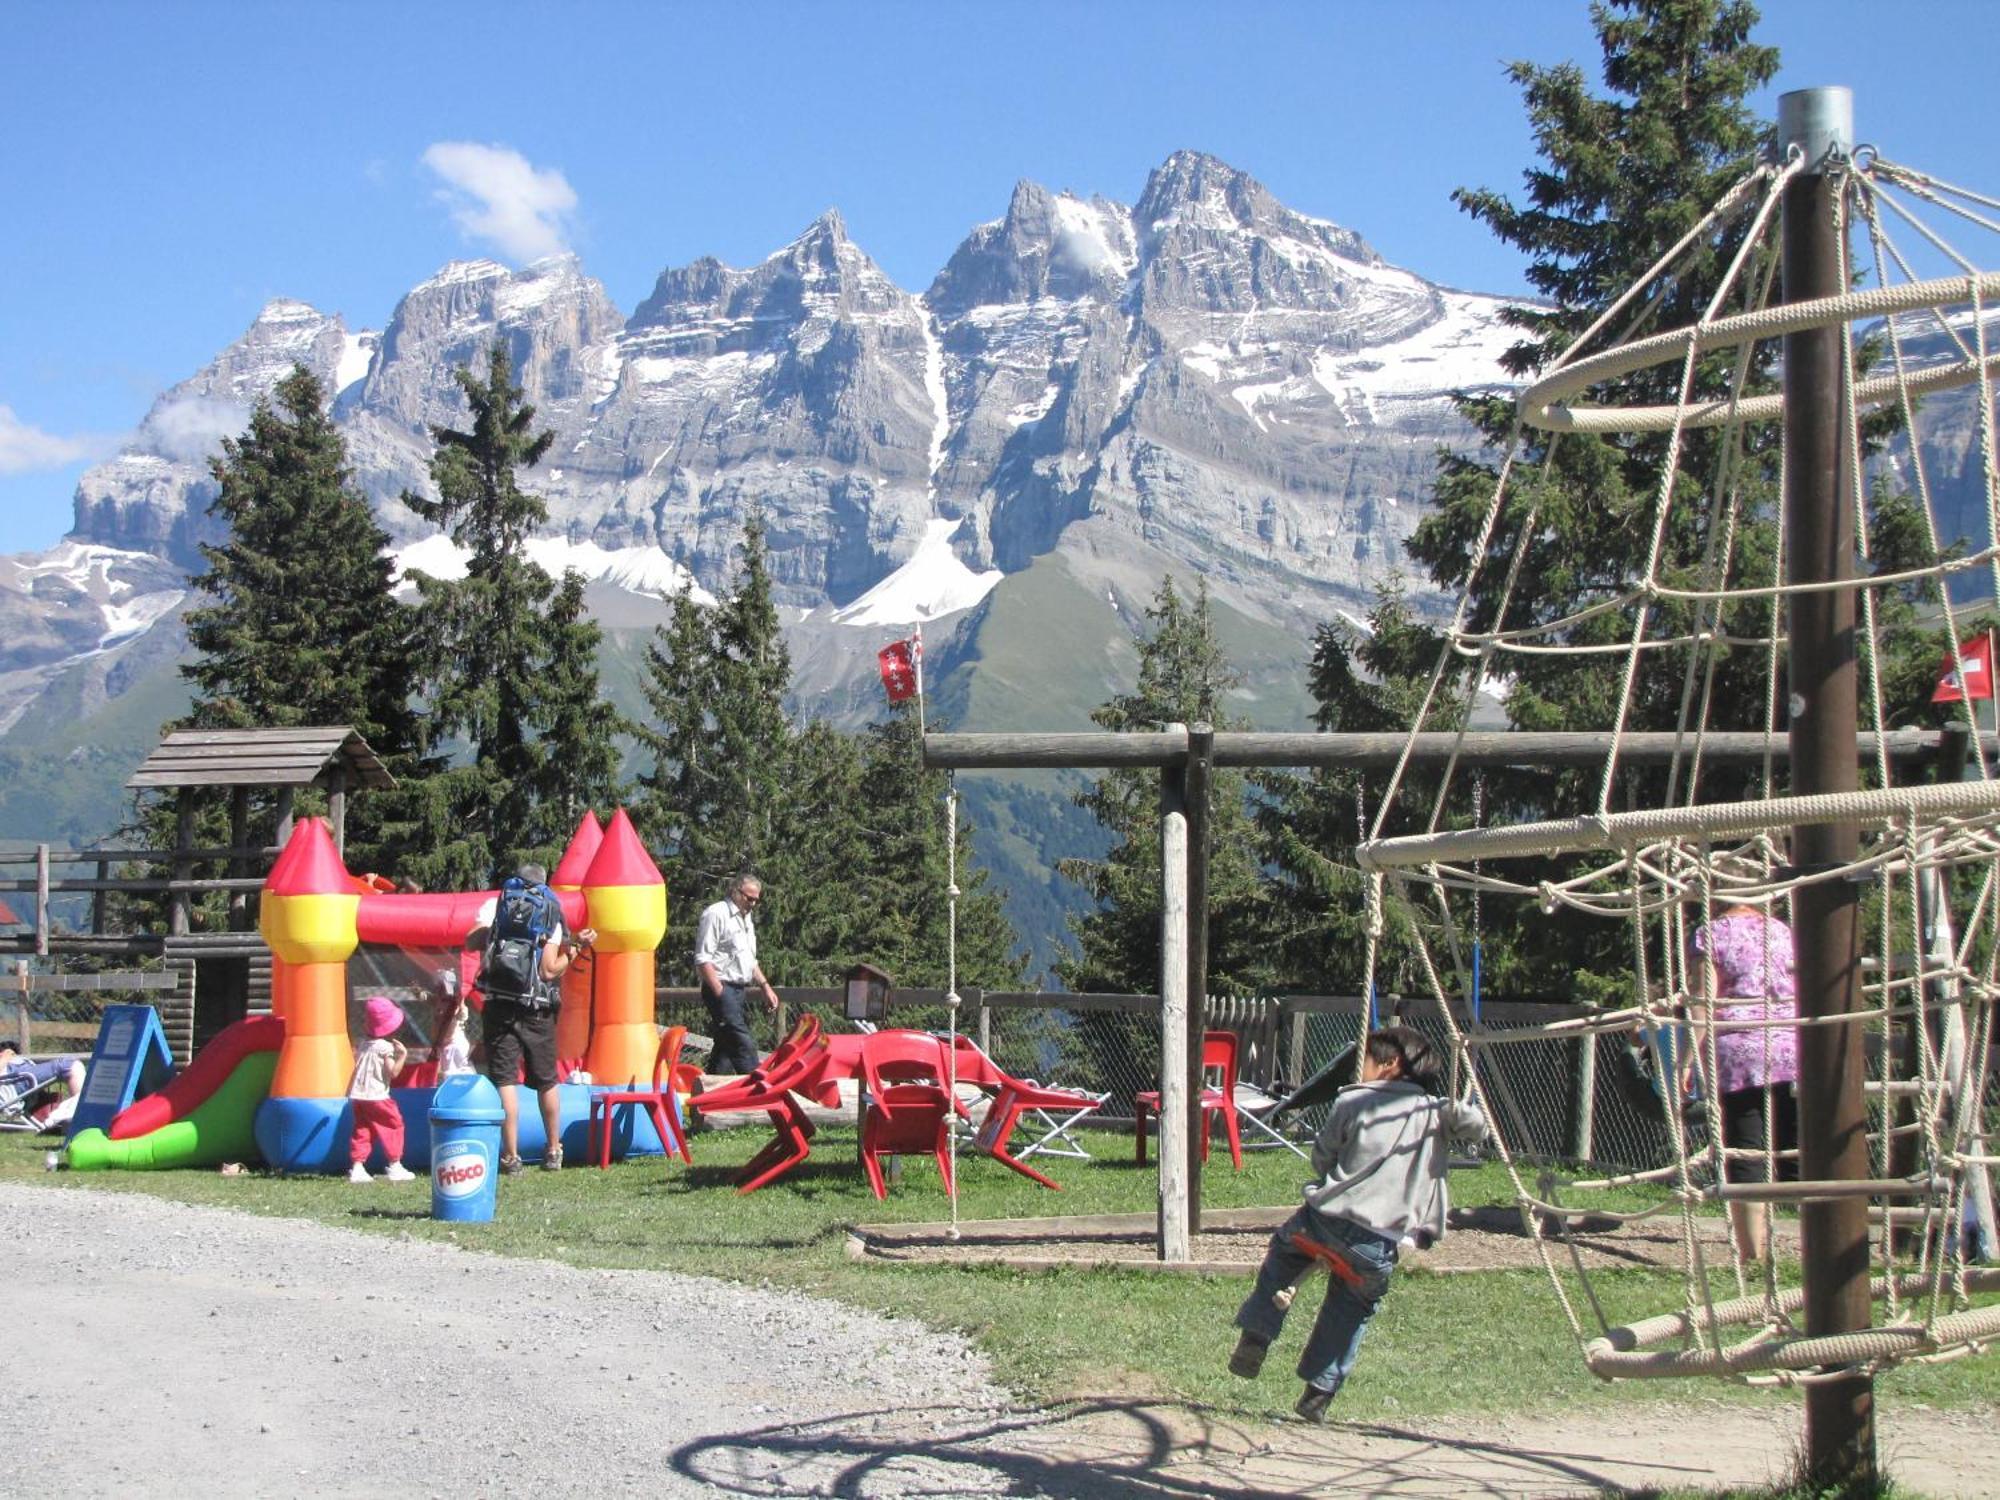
[
  {"x": 1252, "y": 1105},
  {"x": 24, "y": 1101}
]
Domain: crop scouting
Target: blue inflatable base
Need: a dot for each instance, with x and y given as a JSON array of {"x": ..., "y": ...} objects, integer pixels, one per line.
[{"x": 311, "y": 1135}]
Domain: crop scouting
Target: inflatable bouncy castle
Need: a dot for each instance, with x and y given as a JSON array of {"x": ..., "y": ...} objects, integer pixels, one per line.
[{"x": 275, "y": 1086}]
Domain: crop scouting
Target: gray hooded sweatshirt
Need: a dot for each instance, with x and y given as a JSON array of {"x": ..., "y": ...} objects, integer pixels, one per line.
[{"x": 1381, "y": 1157}]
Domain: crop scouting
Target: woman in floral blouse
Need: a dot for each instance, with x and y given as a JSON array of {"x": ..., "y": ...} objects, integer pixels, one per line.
[{"x": 1743, "y": 968}]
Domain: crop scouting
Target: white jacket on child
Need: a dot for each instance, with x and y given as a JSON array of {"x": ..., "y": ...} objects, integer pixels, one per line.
[
  {"x": 1382, "y": 1156},
  {"x": 371, "y": 1070}
]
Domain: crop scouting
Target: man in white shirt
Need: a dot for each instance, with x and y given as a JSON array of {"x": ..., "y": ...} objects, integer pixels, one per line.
[{"x": 725, "y": 955}]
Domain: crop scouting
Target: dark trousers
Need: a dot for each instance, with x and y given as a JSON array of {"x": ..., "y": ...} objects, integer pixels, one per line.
[{"x": 735, "y": 1048}]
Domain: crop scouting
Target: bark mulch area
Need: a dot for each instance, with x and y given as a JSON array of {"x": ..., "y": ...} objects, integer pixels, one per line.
[{"x": 1231, "y": 1242}]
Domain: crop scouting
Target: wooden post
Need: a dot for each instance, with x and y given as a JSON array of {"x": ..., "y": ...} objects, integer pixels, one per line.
[
  {"x": 1583, "y": 1137},
  {"x": 1196, "y": 778},
  {"x": 42, "y": 900},
  {"x": 1175, "y": 1244},
  {"x": 97, "y": 898},
  {"x": 1819, "y": 548},
  {"x": 336, "y": 807},
  {"x": 178, "y": 924},
  {"x": 21, "y": 1006},
  {"x": 285, "y": 799},
  {"x": 239, "y": 865}
]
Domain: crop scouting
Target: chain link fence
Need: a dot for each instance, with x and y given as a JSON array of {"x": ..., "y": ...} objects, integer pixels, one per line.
[{"x": 1591, "y": 1100}]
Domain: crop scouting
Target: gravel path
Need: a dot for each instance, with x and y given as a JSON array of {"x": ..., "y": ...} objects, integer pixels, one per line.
[{"x": 202, "y": 1351}]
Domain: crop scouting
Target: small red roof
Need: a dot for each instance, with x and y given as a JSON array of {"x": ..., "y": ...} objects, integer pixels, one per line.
[
  {"x": 309, "y": 865},
  {"x": 583, "y": 847},
  {"x": 622, "y": 859}
]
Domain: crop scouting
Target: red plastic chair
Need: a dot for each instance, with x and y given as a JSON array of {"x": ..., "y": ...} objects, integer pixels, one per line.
[
  {"x": 908, "y": 1108},
  {"x": 659, "y": 1101},
  {"x": 801, "y": 1069},
  {"x": 1013, "y": 1098},
  {"x": 1218, "y": 1056}
]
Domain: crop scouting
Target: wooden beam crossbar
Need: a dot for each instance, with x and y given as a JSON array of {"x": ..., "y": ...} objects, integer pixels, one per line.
[{"x": 1103, "y": 749}]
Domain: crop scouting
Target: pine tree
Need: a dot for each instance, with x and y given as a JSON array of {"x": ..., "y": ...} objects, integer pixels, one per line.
[
  {"x": 1621, "y": 177},
  {"x": 903, "y": 893},
  {"x": 722, "y": 749},
  {"x": 1361, "y": 683},
  {"x": 1183, "y": 673},
  {"x": 302, "y": 627},
  {"x": 510, "y": 668}
]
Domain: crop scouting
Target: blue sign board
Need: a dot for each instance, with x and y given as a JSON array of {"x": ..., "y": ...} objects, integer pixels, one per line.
[{"x": 130, "y": 1060}]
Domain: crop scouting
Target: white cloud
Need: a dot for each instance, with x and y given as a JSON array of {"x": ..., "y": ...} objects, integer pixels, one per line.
[
  {"x": 26, "y": 450},
  {"x": 193, "y": 427},
  {"x": 497, "y": 195}
]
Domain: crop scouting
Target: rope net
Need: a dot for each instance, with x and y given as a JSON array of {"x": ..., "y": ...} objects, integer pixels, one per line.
[{"x": 1708, "y": 605}]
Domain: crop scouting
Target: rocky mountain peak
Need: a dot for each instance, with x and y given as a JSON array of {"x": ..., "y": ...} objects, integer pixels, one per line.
[{"x": 1048, "y": 245}]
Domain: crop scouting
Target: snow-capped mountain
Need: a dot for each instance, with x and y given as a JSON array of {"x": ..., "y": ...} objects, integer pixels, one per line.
[
  {"x": 1205, "y": 382},
  {"x": 1249, "y": 390}
]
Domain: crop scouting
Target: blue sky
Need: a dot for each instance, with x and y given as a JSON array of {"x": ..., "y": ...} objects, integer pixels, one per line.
[{"x": 172, "y": 166}]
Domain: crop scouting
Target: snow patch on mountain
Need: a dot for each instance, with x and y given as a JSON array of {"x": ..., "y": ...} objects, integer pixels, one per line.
[
  {"x": 637, "y": 570},
  {"x": 357, "y": 352},
  {"x": 1458, "y": 352},
  {"x": 931, "y": 584}
]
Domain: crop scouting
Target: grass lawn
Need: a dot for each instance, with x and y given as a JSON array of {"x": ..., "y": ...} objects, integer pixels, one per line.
[{"x": 1488, "y": 1342}]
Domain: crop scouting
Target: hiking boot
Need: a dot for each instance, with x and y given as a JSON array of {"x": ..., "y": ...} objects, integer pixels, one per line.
[
  {"x": 552, "y": 1161},
  {"x": 1249, "y": 1356},
  {"x": 359, "y": 1173},
  {"x": 398, "y": 1173},
  {"x": 1313, "y": 1404},
  {"x": 510, "y": 1166}
]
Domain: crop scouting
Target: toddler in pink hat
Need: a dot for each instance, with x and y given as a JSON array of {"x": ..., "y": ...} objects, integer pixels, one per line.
[{"x": 376, "y": 1117}]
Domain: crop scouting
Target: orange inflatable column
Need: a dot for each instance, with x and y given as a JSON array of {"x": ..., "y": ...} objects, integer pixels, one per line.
[
  {"x": 573, "y": 1020},
  {"x": 308, "y": 919},
  {"x": 628, "y": 907}
]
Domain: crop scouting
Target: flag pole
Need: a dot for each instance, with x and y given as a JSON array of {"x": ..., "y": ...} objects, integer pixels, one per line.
[{"x": 920, "y": 681}]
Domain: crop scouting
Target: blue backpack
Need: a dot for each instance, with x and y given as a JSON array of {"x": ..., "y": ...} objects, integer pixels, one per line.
[{"x": 523, "y": 918}]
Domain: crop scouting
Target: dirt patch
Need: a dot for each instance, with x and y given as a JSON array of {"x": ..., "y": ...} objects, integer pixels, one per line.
[{"x": 1232, "y": 1242}]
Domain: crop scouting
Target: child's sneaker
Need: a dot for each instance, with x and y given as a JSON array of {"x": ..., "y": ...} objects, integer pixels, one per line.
[
  {"x": 552, "y": 1160},
  {"x": 1249, "y": 1356},
  {"x": 1313, "y": 1404},
  {"x": 399, "y": 1173},
  {"x": 510, "y": 1166},
  {"x": 359, "y": 1173}
]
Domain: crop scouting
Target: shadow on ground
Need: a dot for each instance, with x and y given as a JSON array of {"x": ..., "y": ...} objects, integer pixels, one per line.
[{"x": 1111, "y": 1449}]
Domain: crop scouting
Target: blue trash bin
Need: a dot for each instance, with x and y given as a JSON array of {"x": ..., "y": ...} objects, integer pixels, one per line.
[{"x": 465, "y": 1148}]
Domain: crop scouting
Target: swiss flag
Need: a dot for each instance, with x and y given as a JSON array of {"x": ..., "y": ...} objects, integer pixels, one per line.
[
  {"x": 899, "y": 671},
  {"x": 1977, "y": 658}
]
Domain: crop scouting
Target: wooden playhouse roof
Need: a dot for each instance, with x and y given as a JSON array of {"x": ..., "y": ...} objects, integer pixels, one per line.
[{"x": 263, "y": 757}]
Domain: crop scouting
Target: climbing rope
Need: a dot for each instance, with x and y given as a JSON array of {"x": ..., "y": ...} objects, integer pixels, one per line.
[{"x": 1697, "y": 853}]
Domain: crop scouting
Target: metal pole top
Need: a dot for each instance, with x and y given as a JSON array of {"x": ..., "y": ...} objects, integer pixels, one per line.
[{"x": 1820, "y": 122}]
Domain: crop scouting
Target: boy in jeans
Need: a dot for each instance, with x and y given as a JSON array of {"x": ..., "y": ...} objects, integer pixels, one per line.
[{"x": 1381, "y": 1161}]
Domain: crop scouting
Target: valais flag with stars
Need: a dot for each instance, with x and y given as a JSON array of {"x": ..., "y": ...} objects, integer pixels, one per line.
[
  {"x": 1976, "y": 657},
  {"x": 898, "y": 664}
]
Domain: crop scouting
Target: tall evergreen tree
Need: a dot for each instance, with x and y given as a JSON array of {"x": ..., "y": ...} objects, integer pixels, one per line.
[
  {"x": 1621, "y": 177},
  {"x": 301, "y": 627},
  {"x": 509, "y": 667},
  {"x": 1361, "y": 683},
  {"x": 723, "y": 752},
  {"x": 903, "y": 894},
  {"x": 1183, "y": 673}
]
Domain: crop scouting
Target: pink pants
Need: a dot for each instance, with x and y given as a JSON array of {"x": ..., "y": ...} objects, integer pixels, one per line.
[{"x": 376, "y": 1120}]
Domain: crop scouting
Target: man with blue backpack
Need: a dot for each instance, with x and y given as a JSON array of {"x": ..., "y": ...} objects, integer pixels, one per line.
[{"x": 525, "y": 953}]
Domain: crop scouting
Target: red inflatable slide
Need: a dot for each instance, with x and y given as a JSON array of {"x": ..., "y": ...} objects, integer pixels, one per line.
[{"x": 202, "y": 1076}]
